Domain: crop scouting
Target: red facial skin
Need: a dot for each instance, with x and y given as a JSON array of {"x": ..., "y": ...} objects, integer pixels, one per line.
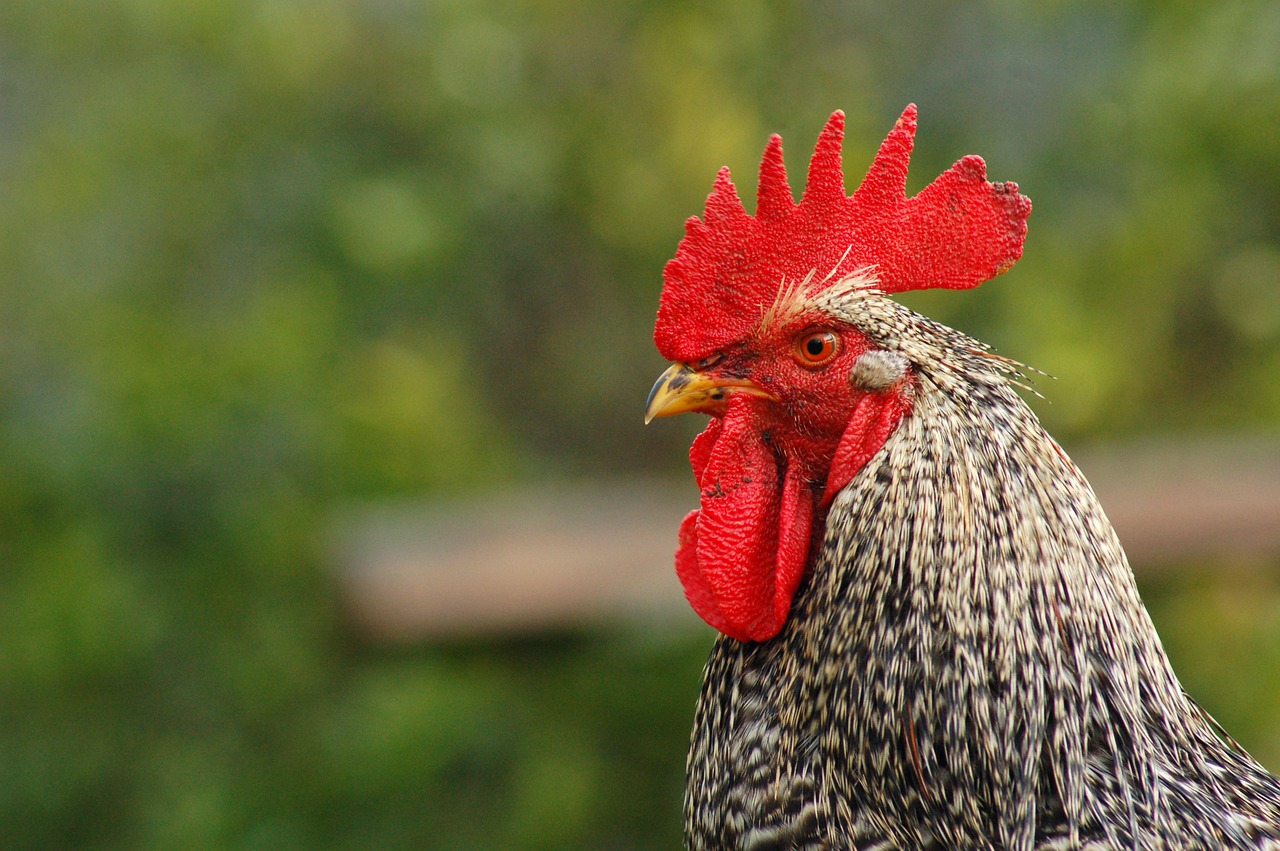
[{"x": 768, "y": 469}]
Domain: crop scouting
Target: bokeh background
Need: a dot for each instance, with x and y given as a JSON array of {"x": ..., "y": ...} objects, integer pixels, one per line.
[{"x": 261, "y": 262}]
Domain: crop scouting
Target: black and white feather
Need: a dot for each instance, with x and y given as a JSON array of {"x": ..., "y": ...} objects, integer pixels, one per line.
[{"x": 968, "y": 664}]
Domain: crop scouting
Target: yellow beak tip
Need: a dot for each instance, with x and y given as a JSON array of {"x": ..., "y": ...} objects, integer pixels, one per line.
[{"x": 663, "y": 393}]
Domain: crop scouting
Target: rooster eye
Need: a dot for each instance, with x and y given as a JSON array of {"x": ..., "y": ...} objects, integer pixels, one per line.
[{"x": 814, "y": 348}]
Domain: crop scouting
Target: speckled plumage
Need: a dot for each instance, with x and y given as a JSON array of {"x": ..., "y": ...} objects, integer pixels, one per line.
[{"x": 968, "y": 664}]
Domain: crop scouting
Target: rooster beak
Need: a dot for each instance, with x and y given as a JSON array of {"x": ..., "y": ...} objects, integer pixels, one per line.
[{"x": 682, "y": 389}]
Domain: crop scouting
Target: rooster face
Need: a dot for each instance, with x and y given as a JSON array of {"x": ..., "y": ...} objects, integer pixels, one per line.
[
  {"x": 799, "y": 398},
  {"x": 791, "y": 423},
  {"x": 796, "y": 384}
]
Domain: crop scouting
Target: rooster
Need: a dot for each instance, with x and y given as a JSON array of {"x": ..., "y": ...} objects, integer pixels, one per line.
[{"x": 931, "y": 637}]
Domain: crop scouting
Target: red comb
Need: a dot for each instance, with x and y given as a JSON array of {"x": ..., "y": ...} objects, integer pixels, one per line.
[{"x": 960, "y": 231}]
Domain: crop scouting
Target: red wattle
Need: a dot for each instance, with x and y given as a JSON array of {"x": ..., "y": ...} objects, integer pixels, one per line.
[
  {"x": 700, "y": 452},
  {"x": 743, "y": 554},
  {"x": 873, "y": 420},
  {"x": 795, "y": 531},
  {"x": 697, "y": 590}
]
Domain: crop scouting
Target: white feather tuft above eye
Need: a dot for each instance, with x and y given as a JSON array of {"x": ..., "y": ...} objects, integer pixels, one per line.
[
  {"x": 802, "y": 295},
  {"x": 878, "y": 370}
]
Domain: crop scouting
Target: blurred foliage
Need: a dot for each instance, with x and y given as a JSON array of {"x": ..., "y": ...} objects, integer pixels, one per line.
[{"x": 261, "y": 259}]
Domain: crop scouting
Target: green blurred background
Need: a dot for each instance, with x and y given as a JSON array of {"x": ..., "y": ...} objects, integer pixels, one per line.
[{"x": 263, "y": 261}]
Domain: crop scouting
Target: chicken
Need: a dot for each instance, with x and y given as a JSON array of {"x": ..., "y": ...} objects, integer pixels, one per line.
[{"x": 931, "y": 637}]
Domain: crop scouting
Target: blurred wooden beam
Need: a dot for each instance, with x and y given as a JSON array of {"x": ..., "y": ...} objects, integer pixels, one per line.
[
  {"x": 562, "y": 555},
  {"x": 549, "y": 556},
  {"x": 1176, "y": 502}
]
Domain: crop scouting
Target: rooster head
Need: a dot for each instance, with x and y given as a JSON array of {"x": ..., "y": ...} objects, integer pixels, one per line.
[{"x": 799, "y": 398}]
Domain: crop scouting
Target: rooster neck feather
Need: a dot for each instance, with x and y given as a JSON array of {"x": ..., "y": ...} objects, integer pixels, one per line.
[{"x": 976, "y": 666}]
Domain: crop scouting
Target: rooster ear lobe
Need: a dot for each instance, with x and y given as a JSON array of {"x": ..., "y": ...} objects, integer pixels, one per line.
[
  {"x": 826, "y": 174},
  {"x": 886, "y": 181}
]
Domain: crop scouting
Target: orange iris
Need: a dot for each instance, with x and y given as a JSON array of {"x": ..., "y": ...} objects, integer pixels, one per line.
[{"x": 815, "y": 348}]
